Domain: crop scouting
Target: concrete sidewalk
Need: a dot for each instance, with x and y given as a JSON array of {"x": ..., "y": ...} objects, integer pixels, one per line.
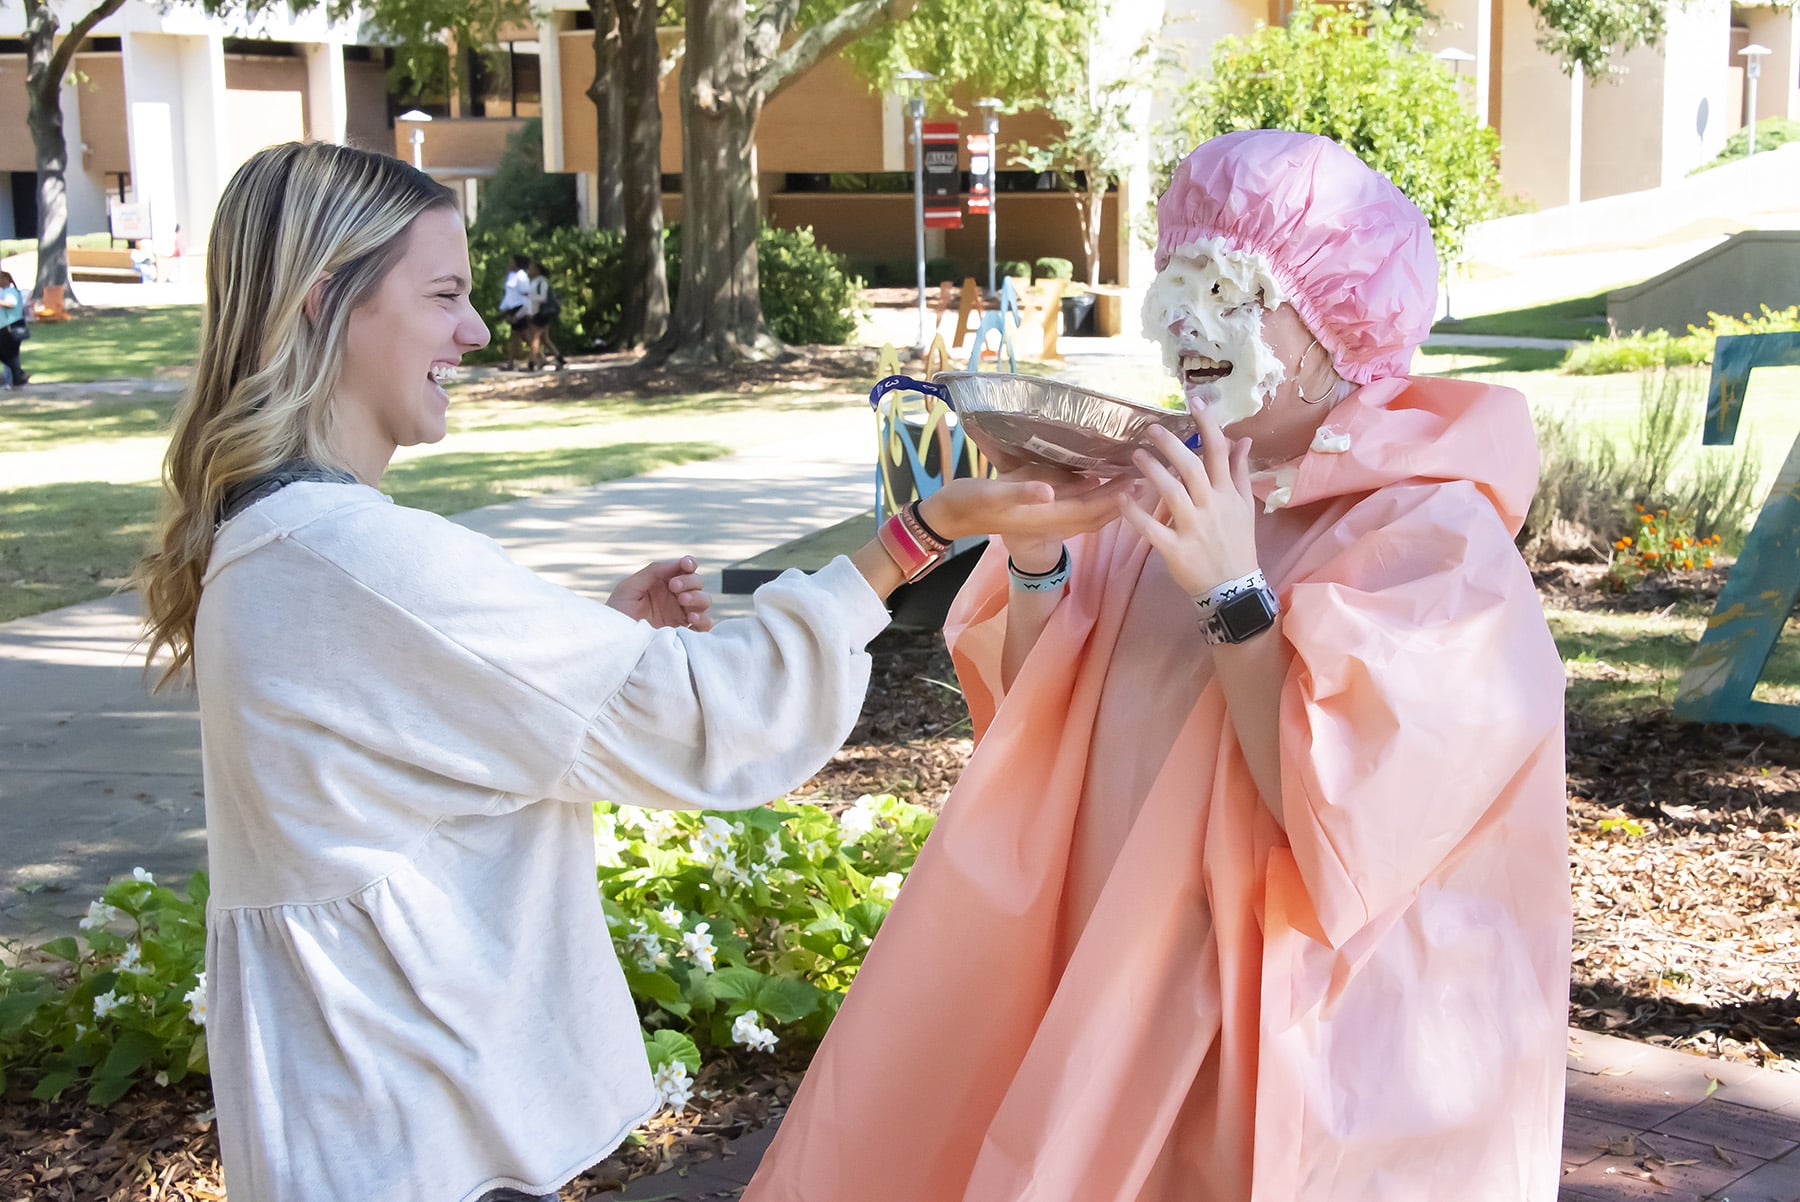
[
  {"x": 1642, "y": 1122},
  {"x": 98, "y": 777}
]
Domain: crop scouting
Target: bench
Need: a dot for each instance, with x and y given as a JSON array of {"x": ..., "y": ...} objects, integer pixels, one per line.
[{"x": 103, "y": 266}]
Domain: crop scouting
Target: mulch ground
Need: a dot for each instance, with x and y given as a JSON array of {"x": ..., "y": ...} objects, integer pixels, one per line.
[{"x": 1684, "y": 847}]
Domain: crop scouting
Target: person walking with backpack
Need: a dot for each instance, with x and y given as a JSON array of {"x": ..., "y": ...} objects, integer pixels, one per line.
[{"x": 544, "y": 309}]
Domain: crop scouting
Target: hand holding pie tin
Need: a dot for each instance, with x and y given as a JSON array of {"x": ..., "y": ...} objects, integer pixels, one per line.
[{"x": 1019, "y": 417}]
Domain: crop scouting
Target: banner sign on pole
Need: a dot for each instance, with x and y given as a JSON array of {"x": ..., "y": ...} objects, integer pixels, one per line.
[
  {"x": 943, "y": 175},
  {"x": 129, "y": 221},
  {"x": 981, "y": 148}
]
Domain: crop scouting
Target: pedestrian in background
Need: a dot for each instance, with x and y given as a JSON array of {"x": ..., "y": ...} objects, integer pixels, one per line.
[{"x": 14, "y": 329}]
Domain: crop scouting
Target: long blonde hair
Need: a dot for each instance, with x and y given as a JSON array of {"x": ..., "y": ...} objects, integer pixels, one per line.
[{"x": 292, "y": 216}]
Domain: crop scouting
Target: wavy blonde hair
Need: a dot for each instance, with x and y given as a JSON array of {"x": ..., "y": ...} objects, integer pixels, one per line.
[{"x": 292, "y": 216}]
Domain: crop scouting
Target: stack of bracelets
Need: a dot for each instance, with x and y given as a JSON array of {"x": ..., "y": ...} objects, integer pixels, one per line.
[
  {"x": 1040, "y": 582},
  {"x": 914, "y": 546}
]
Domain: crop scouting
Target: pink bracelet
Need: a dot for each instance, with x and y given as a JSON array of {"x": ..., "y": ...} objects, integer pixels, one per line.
[{"x": 908, "y": 552}]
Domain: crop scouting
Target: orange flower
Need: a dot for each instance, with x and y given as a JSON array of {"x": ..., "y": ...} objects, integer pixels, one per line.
[
  {"x": 1646, "y": 519},
  {"x": 1687, "y": 563},
  {"x": 1709, "y": 561},
  {"x": 1639, "y": 508},
  {"x": 1662, "y": 513},
  {"x": 1650, "y": 529},
  {"x": 1623, "y": 543},
  {"x": 1650, "y": 555}
]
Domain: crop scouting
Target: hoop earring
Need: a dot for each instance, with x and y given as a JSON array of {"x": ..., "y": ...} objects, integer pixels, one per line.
[{"x": 1300, "y": 370}]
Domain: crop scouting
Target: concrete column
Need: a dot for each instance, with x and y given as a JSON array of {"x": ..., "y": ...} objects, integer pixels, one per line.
[
  {"x": 896, "y": 134},
  {"x": 1540, "y": 115},
  {"x": 550, "y": 92},
  {"x": 1695, "y": 120},
  {"x": 156, "y": 111},
  {"x": 204, "y": 132},
  {"x": 1483, "y": 34},
  {"x": 327, "y": 98}
]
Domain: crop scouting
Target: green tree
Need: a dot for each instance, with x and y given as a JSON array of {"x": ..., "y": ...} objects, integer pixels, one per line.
[
  {"x": 1357, "y": 76},
  {"x": 522, "y": 192},
  {"x": 1100, "y": 133},
  {"x": 1588, "y": 33}
]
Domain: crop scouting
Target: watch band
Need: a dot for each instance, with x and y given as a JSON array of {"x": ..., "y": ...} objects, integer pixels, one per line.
[
  {"x": 1041, "y": 582},
  {"x": 1238, "y": 609}
]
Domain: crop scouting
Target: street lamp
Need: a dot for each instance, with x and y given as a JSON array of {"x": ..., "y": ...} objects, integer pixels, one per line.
[
  {"x": 1753, "y": 56},
  {"x": 915, "y": 108},
  {"x": 990, "y": 124},
  {"x": 419, "y": 117},
  {"x": 1456, "y": 56}
]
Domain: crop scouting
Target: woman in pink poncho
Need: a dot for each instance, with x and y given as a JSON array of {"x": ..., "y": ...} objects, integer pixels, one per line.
[{"x": 1232, "y": 904}]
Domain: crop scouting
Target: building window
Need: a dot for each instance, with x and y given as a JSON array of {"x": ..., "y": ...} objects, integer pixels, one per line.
[{"x": 505, "y": 81}]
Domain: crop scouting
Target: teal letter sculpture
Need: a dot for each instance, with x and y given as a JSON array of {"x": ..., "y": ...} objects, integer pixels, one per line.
[{"x": 1759, "y": 593}]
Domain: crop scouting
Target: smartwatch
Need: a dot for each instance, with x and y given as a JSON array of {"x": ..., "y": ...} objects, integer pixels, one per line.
[{"x": 1238, "y": 610}]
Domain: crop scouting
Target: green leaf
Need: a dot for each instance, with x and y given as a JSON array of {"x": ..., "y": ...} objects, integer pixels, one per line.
[
  {"x": 653, "y": 987},
  {"x": 107, "y": 1090},
  {"x": 17, "y": 1010},
  {"x": 785, "y": 999},
  {"x": 666, "y": 1046},
  {"x": 130, "y": 1052},
  {"x": 736, "y": 984},
  {"x": 51, "y": 1087},
  {"x": 63, "y": 949}
]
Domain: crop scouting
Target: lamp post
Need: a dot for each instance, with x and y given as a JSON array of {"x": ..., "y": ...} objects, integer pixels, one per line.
[
  {"x": 419, "y": 118},
  {"x": 1753, "y": 56},
  {"x": 990, "y": 124},
  {"x": 915, "y": 108}
]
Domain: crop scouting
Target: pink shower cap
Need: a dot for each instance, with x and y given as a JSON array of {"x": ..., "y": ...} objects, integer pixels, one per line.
[{"x": 1353, "y": 254}]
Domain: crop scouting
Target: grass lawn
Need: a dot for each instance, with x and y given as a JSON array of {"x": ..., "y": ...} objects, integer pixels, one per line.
[
  {"x": 1575, "y": 318},
  {"x": 115, "y": 345},
  {"x": 68, "y": 536},
  {"x": 1626, "y": 663}
]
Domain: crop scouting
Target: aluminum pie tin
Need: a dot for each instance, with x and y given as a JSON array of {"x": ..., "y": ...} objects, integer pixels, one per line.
[{"x": 1057, "y": 423}]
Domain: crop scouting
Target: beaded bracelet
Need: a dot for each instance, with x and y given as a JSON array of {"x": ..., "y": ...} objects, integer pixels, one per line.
[{"x": 1041, "y": 582}]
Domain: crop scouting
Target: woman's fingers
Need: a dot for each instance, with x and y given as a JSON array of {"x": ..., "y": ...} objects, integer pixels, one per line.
[{"x": 1173, "y": 493}]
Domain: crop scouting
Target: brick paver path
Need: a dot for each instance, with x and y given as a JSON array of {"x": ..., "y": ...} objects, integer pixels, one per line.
[{"x": 1640, "y": 1123}]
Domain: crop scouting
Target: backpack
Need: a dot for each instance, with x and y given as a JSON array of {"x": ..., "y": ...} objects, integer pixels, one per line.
[{"x": 551, "y": 306}]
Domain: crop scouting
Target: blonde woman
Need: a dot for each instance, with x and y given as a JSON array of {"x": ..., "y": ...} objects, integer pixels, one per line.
[{"x": 412, "y": 994}]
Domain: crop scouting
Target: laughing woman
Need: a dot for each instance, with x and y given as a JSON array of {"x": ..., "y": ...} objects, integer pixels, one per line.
[{"x": 412, "y": 992}]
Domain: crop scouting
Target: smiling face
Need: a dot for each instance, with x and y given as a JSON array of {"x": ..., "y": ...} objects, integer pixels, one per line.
[
  {"x": 1205, "y": 309},
  {"x": 416, "y": 325}
]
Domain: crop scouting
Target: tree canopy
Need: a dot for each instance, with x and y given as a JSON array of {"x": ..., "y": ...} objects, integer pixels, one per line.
[{"x": 1360, "y": 77}]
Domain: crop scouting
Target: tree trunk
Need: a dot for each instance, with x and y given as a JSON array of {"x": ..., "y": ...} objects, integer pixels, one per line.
[
  {"x": 44, "y": 87},
  {"x": 718, "y": 312},
  {"x": 646, "y": 312},
  {"x": 1091, "y": 213},
  {"x": 607, "y": 93}
]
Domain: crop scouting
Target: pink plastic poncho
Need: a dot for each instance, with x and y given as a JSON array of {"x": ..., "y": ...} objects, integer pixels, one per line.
[{"x": 1114, "y": 977}]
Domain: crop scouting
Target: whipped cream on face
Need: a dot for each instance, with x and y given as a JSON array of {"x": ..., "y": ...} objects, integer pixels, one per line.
[
  {"x": 1205, "y": 310},
  {"x": 1327, "y": 441}
]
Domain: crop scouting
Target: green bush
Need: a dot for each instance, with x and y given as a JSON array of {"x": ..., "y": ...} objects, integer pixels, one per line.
[
  {"x": 939, "y": 270},
  {"x": 1770, "y": 133},
  {"x": 807, "y": 296},
  {"x": 729, "y": 927},
  {"x": 1658, "y": 348},
  {"x": 130, "y": 1008},
  {"x": 522, "y": 192},
  {"x": 1018, "y": 269},
  {"x": 1049, "y": 268},
  {"x": 1362, "y": 76},
  {"x": 1591, "y": 491}
]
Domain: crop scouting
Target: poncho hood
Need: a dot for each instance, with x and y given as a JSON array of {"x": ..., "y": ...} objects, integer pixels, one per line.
[{"x": 1426, "y": 429}]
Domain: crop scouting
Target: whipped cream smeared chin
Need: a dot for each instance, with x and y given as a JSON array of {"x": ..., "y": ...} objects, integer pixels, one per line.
[{"x": 1205, "y": 310}]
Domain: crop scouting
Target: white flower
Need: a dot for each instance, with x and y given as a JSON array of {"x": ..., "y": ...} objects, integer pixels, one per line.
[
  {"x": 671, "y": 914},
  {"x": 728, "y": 869},
  {"x": 161, "y": 1078},
  {"x": 196, "y": 1000},
  {"x": 100, "y": 914},
  {"x": 106, "y": 1003},
  {"x": 653, "y": 825},
  {"x": 814, "y": 849},
  {"x": 81, "y": 1032},
  {"x": 645, "y": 945},
  {"x": 133, "y": 959},
  {"x": 700, "y": 947},
  {"x": 712, "y": 840},
  {"x": 673, "y": 1085},
  {"x": 858, "y": 820},
  {"x": 744, "y": 1030},
  {"x": 607, "y": 844},
  {"x": 775, "y": 853},
  {"x": 138, "y": 874},
  {"x": 886, "y": 886}
]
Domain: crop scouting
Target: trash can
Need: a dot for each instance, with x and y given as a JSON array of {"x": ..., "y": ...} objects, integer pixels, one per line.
[{"x": 1078, "y": 315}]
